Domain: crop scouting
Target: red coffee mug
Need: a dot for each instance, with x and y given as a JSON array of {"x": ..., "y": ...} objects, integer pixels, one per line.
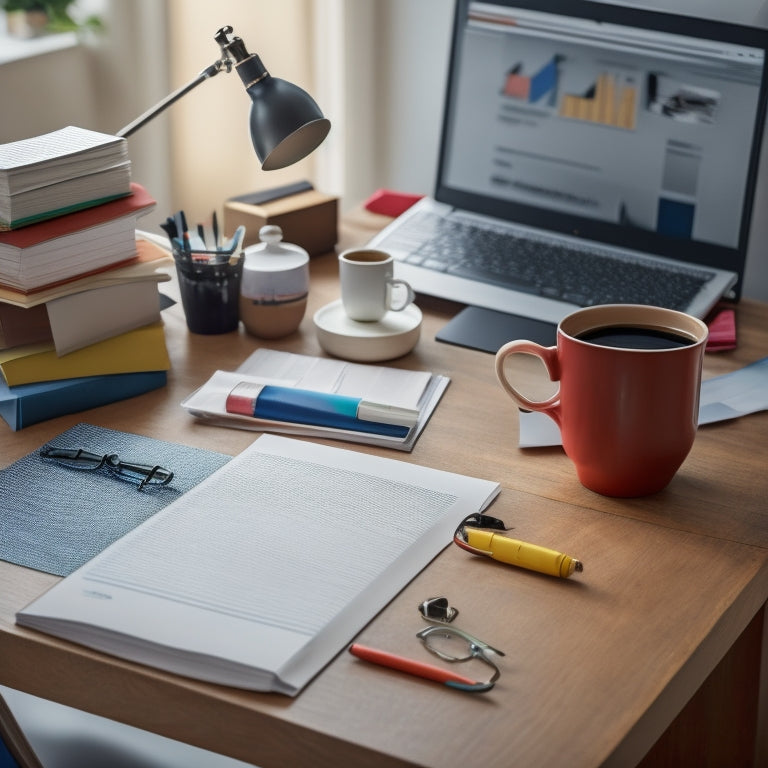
[{"x": 628, "y": 397}]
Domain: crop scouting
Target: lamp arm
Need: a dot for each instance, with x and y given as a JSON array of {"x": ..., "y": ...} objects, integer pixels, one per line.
[{"x": 206, "y": 74}]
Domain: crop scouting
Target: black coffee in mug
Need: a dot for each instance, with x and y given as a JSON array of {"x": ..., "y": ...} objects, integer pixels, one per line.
[{"x": 635, "y": 337}]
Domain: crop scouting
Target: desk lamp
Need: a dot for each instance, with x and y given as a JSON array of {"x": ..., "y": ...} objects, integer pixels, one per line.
[{"x": 286, "y": 123}]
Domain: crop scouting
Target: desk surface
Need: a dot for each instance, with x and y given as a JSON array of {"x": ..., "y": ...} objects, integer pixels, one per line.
[{"x": 596, "y": 668}]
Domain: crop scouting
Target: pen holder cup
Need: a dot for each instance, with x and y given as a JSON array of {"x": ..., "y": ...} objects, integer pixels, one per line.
[{"x": 210, "y": 291}]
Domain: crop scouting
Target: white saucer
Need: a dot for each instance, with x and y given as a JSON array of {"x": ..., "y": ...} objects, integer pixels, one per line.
[{"x": 394, "y": 335}]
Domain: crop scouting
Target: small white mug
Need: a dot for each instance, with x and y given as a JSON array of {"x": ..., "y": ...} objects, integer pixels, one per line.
[{"x": 368, "y": 288}]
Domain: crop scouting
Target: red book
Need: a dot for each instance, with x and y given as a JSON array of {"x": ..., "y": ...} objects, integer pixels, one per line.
[
  {"x": 138, "y": 202},
  {"x": 80, "y": 243}
]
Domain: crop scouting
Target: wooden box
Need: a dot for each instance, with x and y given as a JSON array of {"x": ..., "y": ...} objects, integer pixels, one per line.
[{"x": 308, "y": 219}]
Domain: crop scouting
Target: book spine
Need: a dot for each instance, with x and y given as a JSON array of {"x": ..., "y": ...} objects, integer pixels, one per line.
[{"x": 81, "y": 394}]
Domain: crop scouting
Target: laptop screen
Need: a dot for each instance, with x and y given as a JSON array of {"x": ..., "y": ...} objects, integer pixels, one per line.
[{"x": 631, "y": 127}]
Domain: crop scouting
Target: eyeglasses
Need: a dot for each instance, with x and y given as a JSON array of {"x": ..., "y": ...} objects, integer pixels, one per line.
[
  {"x": 77, "y": 458},
  {"x": 455, "y": 645},
  {"x": 447, "y": 643}
]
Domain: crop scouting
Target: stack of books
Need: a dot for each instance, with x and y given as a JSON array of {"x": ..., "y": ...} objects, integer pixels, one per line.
[
  {"x": 60, "y": 172},
  {"x": 79, "y": 305}
]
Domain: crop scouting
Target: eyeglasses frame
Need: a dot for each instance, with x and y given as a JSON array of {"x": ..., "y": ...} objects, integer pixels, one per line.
[
  {"x": 82, "y": 460},
  {"x": 478, "y": 649}
]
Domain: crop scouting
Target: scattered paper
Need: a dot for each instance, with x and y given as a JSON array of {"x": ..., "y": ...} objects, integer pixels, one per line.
[
  {"x": 735, "y": 394},
  {"x": 723, "y": 397},
  {"x": 376, "y": 383}
]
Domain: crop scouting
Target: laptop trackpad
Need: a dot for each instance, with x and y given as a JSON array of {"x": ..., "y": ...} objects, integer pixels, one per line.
[{"x": 488, "y": 329}]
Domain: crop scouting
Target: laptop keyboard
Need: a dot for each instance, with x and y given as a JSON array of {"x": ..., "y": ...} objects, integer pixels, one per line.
[{"x": 580, "y": 276}]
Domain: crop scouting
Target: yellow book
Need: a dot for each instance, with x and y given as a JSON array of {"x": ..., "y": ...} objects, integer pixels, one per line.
[{"x": 140, "y": 350}]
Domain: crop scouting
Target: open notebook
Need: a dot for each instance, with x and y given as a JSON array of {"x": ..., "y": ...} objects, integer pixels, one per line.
[{"x": 591, "y": 153}]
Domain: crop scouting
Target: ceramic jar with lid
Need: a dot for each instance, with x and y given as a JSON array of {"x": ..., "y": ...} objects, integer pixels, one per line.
[{"x": 274, "y": 287}]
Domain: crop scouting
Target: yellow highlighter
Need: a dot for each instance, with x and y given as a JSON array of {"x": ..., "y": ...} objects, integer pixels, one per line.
[{"x": 520, "y": 553}]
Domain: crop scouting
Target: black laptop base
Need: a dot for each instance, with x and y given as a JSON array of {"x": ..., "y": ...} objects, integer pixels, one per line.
[{"x": 487, "y": 330}]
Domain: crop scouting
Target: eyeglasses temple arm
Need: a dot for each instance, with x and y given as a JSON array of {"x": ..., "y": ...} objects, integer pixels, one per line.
[
  {"x": 473, "y": 688},
  {"x": 69, "y": 454}
]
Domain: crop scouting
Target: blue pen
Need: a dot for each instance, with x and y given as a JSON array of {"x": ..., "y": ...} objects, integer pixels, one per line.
[{"x": 322, "y": 409}]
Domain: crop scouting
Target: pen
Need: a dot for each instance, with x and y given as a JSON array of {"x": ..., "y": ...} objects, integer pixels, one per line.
[
  {"x": 233, "y": 243},
  {"x": 196, "y": 242},
  {"x": 181, "y": 230},
  {"x": 169, "y": 227},
  {"x": 323, "y": 409},
  {"x": 514, "y": 552},
  {"x": 411, "y": 667},
  {"x": 231, "y": 251}
]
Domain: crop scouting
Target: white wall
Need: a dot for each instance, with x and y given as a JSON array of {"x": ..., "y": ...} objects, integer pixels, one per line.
[{"x": 412, "y": 46}]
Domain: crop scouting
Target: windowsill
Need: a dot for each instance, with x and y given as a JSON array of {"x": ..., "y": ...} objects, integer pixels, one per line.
[{"x": 13, "y": 49}]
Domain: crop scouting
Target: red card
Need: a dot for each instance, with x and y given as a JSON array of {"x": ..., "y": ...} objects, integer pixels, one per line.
[
  {"x": 390, "y": 203},
  {"x": 722, "y": 330}
]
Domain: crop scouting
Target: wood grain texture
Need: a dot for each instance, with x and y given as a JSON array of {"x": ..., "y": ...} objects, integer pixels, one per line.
[{"x": 597, "y": 667}]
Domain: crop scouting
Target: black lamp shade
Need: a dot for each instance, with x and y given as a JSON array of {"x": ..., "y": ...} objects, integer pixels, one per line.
[{"x": 286, "y": 123}]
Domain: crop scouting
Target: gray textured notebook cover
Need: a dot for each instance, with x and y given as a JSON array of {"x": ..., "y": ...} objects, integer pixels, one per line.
[{"x": 54, "y": 518}]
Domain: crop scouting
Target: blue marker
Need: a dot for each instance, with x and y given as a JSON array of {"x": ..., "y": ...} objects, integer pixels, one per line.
[{"x": 321, "y": 409}]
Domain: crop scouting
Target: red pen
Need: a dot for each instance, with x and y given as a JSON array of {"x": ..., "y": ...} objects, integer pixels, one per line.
[{"x": 417, "y": 668}]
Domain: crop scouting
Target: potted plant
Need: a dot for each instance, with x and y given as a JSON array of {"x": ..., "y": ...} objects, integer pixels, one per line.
[{"x": 31, "y": 18}]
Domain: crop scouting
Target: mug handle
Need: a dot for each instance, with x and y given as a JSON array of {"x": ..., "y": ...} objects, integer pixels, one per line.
[
  {"x": 548, "y": 355},
  {"x": 392, "y": 285}
]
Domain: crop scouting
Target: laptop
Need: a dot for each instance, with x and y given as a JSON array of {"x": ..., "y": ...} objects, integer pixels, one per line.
[{"x": 617, "y": 144}]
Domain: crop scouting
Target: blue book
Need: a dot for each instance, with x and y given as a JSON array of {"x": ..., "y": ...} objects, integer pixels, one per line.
[
  {"x": 27, "y": 404},
  {"x": 6, "y": 758}
]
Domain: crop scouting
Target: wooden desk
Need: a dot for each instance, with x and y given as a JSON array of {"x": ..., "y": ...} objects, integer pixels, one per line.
[{"x": 661, "y": 634}]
